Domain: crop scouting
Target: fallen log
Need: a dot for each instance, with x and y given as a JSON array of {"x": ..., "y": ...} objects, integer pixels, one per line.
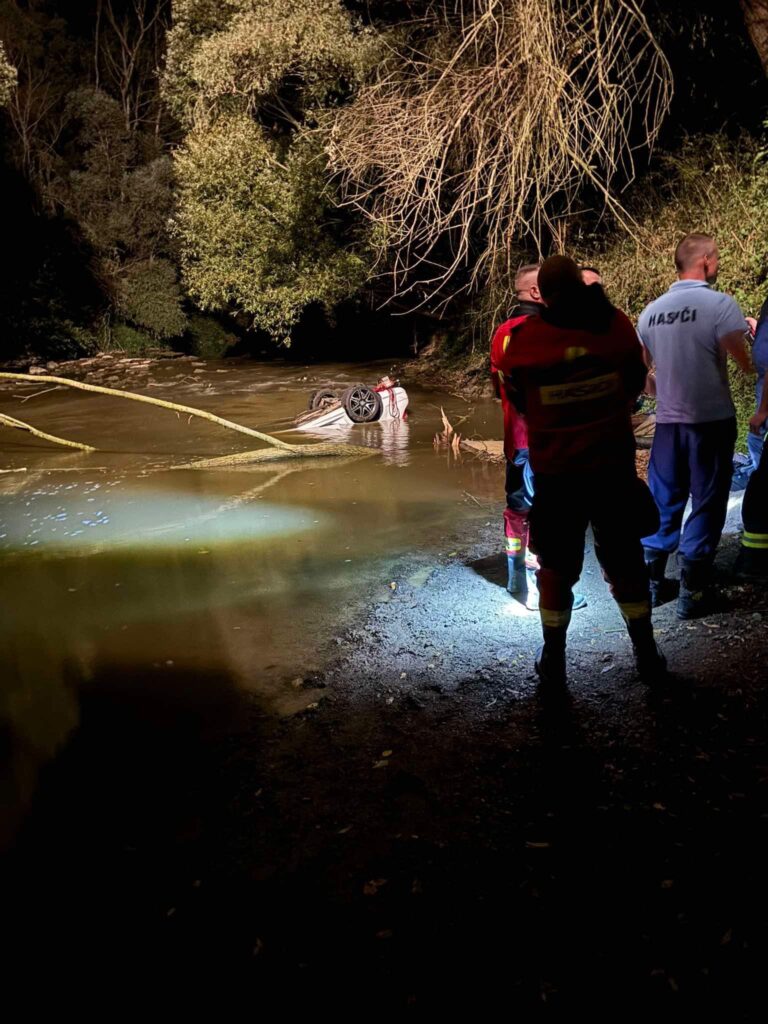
[{"x": 268, "y": 455}]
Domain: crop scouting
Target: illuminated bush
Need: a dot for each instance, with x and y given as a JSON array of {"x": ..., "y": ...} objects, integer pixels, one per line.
[{"x": 711, "y": 185}]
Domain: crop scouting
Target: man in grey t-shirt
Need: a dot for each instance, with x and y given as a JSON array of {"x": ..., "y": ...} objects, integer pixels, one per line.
[{"x": 688, "y": 334}]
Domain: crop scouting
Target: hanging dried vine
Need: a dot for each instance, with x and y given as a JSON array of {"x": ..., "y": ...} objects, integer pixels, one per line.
[{"x": 489, "y": 131}]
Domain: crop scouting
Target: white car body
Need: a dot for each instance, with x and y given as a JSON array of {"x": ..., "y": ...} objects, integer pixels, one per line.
[{"x": 394, "y": 402}]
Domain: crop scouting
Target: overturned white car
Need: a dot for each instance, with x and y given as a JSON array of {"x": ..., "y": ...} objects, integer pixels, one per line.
[{"x": 356, "y": 404}]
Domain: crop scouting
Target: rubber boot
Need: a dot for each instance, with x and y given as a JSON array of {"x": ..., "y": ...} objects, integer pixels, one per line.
[
  {"x": 694, "y": 599},
  {"x": 532, "y": 596},
  {"x": 651, "y": 663},
  {"x": 517, "y": 578},
  {"x": 656, "y": 564},
  {"x": 752, "y": 563},
  {"x": 550, "y": 659}
]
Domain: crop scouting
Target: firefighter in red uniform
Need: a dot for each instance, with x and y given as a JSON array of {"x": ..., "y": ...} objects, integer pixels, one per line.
[
  {"x": 574, "y": 371},
  {"x": 518, "y": 486},
  {"x": 521, "y": 566}
]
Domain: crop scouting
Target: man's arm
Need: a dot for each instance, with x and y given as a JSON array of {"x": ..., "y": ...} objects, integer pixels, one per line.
[
  {"x": 650, "y": 377},
  {"x": 637, "y": 358},
  {"x": 736, "y": 346}
]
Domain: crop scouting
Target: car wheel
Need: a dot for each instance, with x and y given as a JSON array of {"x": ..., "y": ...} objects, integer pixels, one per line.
[
  {"x": 361, "y": 404},
  {"x": 320, "y": 398}
]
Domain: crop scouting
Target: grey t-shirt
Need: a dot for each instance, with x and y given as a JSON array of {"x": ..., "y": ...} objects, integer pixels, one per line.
[{"x": 681, "y": 330}]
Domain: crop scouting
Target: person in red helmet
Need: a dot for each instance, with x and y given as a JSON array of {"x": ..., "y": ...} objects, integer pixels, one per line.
[
  {"x": 574, "y": 371},
  {"x": 521, "y": 564}
]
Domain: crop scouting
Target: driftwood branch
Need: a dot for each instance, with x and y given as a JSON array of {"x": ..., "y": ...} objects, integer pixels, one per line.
[
  {"x": 323, "y": 449},
  {"x": 11, "y": 421}
]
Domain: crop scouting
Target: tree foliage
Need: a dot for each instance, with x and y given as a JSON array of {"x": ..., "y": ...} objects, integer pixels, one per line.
[
  {"x": 92, "y": 154},
  {"x": 270, "y": 155},
  {"x": 253, "y": 227},
  {"x": 271, "y": 58},
  {"x": 711, "y": 184},
  {"x": 254, "y": 80},
  {"x": 7, "y": 77},
  {"x": 122, "y": 203},
  {"x": 128, "y": 47}
]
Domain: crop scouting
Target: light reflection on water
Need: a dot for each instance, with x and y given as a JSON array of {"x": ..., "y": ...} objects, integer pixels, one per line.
[
  {"x": 74, "y": 518},
  {"x": 112, "y": 563}
]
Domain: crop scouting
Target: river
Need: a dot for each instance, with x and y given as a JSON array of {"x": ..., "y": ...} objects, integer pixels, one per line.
[{"x": 187, "y": 588}]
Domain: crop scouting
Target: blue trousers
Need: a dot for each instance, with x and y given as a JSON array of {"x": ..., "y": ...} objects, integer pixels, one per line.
[
  {"x": 755, "y": 442},
  {"x": 693, "y": 459},
  {"x": 519, "y": 482}
]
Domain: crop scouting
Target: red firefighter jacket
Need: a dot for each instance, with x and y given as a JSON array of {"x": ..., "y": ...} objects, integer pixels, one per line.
[
  {"x": 576, "y": 387},
  {"x": 515, "y": 430}
]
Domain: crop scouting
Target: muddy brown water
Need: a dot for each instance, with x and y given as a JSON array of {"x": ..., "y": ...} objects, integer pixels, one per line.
[{"x": 194, "y": 585}]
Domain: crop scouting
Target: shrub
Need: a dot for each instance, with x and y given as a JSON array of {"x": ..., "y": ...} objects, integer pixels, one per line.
[
  {"x": 149, "y": 296},
  {"x": 127, "y": 339},
  {"x": 209, "y": 339}
]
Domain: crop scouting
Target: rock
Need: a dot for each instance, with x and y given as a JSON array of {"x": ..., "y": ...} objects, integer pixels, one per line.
[{"x": 37, "y": 370}]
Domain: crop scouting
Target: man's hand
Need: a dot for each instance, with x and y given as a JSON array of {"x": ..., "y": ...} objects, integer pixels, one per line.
[
  {"x": 757, "y": 422},
  {"x": 736, "y": 347}
]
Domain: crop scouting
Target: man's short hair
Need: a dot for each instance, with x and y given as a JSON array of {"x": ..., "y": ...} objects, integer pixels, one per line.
[
  {"x": 593, "y": 269},
  {"x": 691, "y": 248},
  {"x": 523, "y": 272}
]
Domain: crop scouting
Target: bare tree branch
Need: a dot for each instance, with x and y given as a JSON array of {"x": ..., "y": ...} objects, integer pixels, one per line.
[{"x": 489, "y": 131}]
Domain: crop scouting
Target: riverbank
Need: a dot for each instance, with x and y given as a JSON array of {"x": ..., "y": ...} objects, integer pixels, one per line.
[
  {"x": 425, "y": 833},
  {"x": 430, "y": 368}
]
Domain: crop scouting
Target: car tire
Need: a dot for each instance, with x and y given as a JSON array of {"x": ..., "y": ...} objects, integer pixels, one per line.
[
  {"x": 361, "y": 403},
  {"x": 318, "y": 398}
]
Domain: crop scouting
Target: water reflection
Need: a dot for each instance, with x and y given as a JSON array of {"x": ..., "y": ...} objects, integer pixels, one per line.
[
  {"x": 112, "y": 565},
  {"x": 391, "y": 437}
]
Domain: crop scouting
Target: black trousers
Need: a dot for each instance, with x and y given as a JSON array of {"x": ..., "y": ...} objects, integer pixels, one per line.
[
  {"x": 620, "y": 509},
  {"x": 754, "y": 509}
]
